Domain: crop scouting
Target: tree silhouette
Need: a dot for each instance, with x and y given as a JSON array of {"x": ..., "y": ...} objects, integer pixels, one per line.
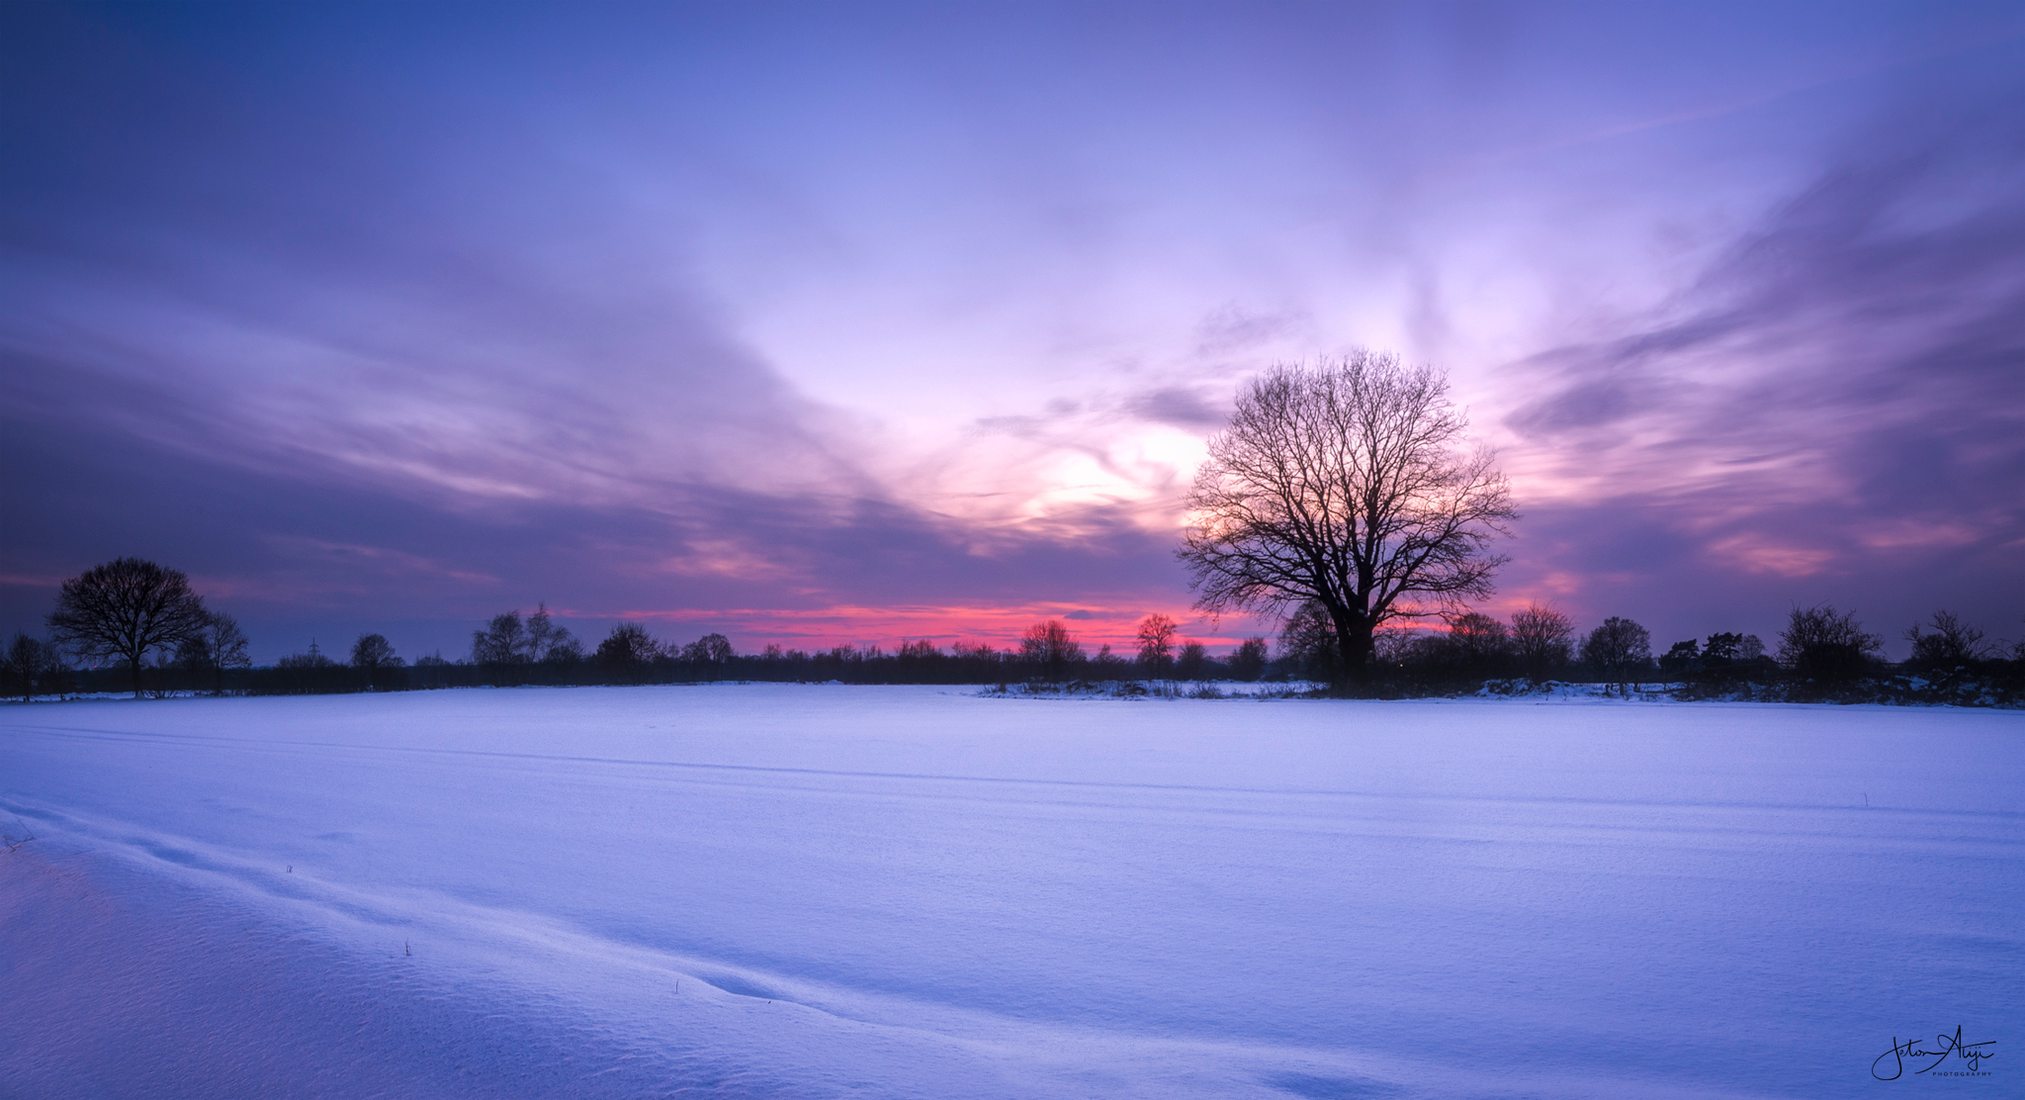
[
  {"x": 549, "y": 644},
  {"x": 214, "y": 648},
  {"x": 1308, "y": 642},
  {"x": 1249, "y": 661},
  {"x": 1156, "y": 643},
  {"x": 373, "y": 656},
  {"x": 1826, "y": 646},
  {"x": 709, "y": 650},
  {"x": 1345, "y": 485},
  {"x": 1682, "y": 659},
  {"x": 31, "y": 666},
  {"x": 1951, "y": 648},
  {"x": 1479, "y": 643},
  {"x": 502, "y": 642},
  {"x": 1543, "y": 640},
  {"x": 1050, "y": 648},
  {"x": 1619, "y": 649},
  {"x": 123, "y": 611},
  {"x": 1726, "y": 649},
  {"x": 627, "y": 651}
]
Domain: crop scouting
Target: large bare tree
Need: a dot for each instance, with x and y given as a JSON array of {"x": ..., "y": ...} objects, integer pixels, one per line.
[
  {"x": 1350, "y": 485},
  {"x": 124, "y": 610}
]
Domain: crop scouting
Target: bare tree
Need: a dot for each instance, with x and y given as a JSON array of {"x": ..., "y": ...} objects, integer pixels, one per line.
[
  {"x": 1620, "y": 649},
  {"x": 1827, "y": 646},
  {"x": 1051, "y": 648},
  {"x": 1479, "y": 643},
  {"x": 31, "y": 666},
  {"x": 1156, "y": 643},
  {"x": 502, "y": 642},
  {"x": 212, "y": 649},
  {"x": 123, "y": 611},
  {"x": 711, "y": 649},
  {"x": 373, "y": 656},
  {"x": 1953, "y": 645},
  {"x": 548, "y": 643},
  {"x": 1347, "y": 485},
  {"x": 628, "y": 650},
  {"x": 1543, "y": 639}
]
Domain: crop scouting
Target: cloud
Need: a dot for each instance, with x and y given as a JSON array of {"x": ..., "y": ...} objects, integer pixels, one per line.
[
  {"x": 1834, "y": 401},
  {"x": 1232, "y": 328},
  {"x": 343, "y": 378},
  {"x": 295, "y": 551},
  {"x": 327, "y": 276},
  {"x": 1180, "y": 406}
]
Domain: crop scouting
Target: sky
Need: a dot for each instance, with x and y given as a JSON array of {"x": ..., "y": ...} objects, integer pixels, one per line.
[{"x": 843, "y": 323}]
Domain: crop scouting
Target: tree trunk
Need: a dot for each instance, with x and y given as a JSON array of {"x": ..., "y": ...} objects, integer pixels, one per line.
[{"x": 1353, "y": 648}]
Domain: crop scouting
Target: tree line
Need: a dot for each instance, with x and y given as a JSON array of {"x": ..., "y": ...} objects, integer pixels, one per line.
[
  {"x": 1822, "y": 654},
  {"x": 134, "y": 625}
]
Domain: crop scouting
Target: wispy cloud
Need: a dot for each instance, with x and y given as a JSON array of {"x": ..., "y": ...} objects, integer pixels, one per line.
[{"x": 1834, "y": 399}]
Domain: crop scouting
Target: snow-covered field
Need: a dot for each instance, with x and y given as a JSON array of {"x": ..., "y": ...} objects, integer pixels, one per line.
[{"x": 816, "y": 891}]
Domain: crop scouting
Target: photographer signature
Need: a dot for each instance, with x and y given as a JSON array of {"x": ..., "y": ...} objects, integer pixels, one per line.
[{"x": 1972, "y": 1053}]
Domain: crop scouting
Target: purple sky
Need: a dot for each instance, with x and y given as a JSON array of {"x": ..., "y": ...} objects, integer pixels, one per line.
[{"x": 842, "y": 322}]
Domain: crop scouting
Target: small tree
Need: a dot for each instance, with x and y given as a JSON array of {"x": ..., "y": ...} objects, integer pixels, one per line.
[
  {"x": 374, "y": 657},
  {"x": 1827, "y": 647},
  {"x": 1682, "y": 659},
  {"x": 1952, "y": 648},
  {"x": 17, "y": 675},
  {"x": 1156, "y": 643},
  {"x": 1308, "y": 643},
  {"x": 548, "y": 643},
  {"x": 1050, "y": 648},
  {"x": 1192, "y": 663},
  {"x": 32, "y": 666},
  {"x": 503, "y": 642},
  {"x": 124, "y": 611},
  {"x": 711, "y": 652},
  {"x": 1479, "y": 643},
  {"x": 627, "y": 651},
  {"x": 1620, "y": 650},
  {"x": 1249, "y": 661},
  {"x": 1731, "y": 649},
  {"x": 1543, "y": 640},
  {"x": 213, "y": 649}
]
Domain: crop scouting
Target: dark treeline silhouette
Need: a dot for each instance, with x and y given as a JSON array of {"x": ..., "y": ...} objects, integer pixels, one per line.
[
  {"x": 1823, "y": 654},
  {"x": 157, "y": 637},
  {"x": 511, "y": 652}
]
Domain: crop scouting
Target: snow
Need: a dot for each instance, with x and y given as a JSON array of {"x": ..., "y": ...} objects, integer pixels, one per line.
[{"x": 780, "y": 890}]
